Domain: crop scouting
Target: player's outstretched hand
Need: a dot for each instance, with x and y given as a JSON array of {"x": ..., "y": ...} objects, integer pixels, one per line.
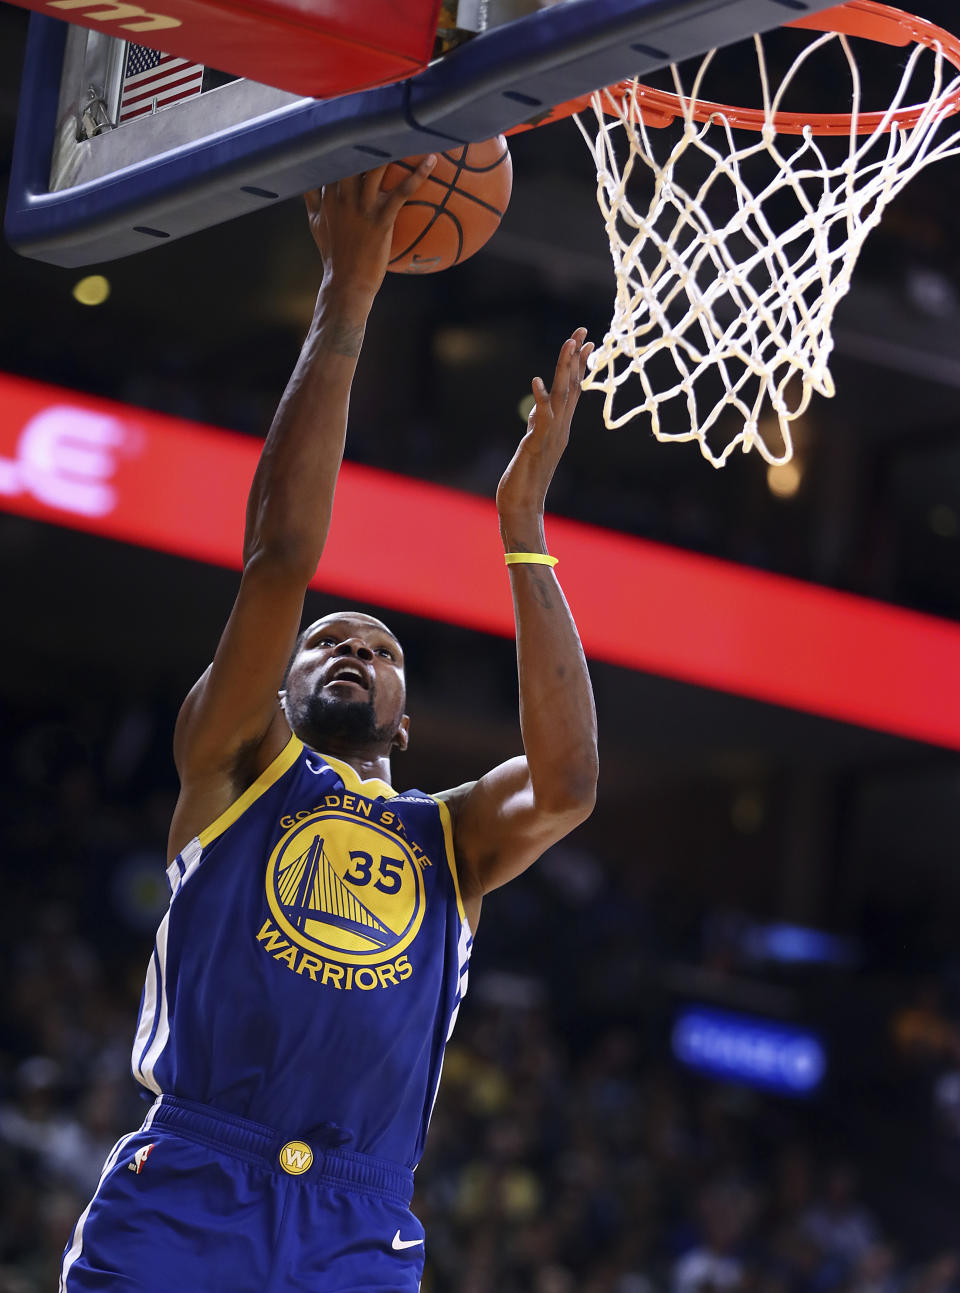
[
  {"x": 523, "y": 486},
  {"x": 352, "y": 224}
]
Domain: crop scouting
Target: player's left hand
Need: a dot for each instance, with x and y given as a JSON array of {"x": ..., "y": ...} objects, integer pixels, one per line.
[
  {"x": 352, "y": 221},
  {"x": 523, "y": 487}
]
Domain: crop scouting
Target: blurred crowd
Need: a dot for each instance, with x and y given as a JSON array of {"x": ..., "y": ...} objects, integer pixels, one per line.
[
  {"x": 568, "y": 1151},
  {"x": 549, "y": 1173}
]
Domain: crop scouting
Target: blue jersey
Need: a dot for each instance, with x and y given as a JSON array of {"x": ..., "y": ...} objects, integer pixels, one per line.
[{"x": 310, "y": 966}]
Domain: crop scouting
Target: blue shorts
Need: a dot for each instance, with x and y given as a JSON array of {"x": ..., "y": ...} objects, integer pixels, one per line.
[{"x": 203, "y": 1201}]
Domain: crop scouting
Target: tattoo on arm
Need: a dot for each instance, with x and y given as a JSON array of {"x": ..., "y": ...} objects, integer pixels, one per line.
[
  {"x": 346, "y": 339},
  {"x": 541, "y": 591}
]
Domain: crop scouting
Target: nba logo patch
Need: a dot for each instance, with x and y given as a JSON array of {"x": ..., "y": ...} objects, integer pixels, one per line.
[{"x": 140, "y": 1157}]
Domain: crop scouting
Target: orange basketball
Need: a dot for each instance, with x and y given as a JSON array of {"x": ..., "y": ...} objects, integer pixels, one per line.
[{"x": 457, "y": 208}]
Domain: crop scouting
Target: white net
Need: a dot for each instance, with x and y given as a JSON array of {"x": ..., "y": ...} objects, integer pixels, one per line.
[{"x": 730, "y": 268}]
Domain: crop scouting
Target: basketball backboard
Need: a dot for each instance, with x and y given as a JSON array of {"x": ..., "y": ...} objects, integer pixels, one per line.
[{"x": 85, "y": 189}]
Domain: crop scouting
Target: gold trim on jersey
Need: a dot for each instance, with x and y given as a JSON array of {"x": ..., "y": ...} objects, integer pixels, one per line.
[
  {"x": 447, "y": 823},
  {"x": 268, "y": 777},
  {"x": 371, "y": 788}
]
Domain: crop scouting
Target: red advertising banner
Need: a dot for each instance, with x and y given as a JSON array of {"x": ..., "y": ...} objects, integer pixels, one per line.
[
  {"x": 312, "y": 49},
  {"x": 179, "y": 487}
]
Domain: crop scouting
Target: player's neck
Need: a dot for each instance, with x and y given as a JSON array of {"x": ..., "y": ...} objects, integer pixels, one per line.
[{"x": 366, "y": 766}]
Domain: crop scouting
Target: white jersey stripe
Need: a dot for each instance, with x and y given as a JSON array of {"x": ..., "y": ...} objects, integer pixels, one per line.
[
  {"x": 162, "y": 1035},
  {"x": 148, "y": 1015},
  {"x": 76, "y": 1247},
  {"x": 174, "y": 872},
  {"x": 464, "y": 948},
  {"x": 153, "y": 1028},
  {"x": 191, "y": 856}
]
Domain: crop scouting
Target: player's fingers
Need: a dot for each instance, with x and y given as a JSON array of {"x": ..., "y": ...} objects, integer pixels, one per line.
[
  {"x": 563, "y": 364},
  {"x": 540, "y": 414},
  {"x": 580, "y": 337},
  {"x": 585, "y": 353},
  {"x": 561, "y": 377},
  {"x": 349, "y": 190},
  {"x": 576, "y": 369},
  {"x": 369, "y": 184},
  {"x": 408, "y": 187}
]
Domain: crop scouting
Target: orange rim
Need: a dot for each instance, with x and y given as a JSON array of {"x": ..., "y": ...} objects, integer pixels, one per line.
[{"x": 867, "y": 18}]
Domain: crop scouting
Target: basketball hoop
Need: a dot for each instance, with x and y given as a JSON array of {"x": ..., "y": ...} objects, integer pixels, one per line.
[{"x": 739, "y": 306}]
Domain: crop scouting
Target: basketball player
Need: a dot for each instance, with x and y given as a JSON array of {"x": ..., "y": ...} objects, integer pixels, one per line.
[{"x": 308, "y": 972}]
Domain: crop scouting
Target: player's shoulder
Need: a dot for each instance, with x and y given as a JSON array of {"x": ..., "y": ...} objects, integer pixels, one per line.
[
  {"x": 454, "y": 799},
  {"x": 207, "y": 800}
]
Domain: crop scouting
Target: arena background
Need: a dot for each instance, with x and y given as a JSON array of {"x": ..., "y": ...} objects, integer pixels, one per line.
[{"x": 744, "y": 860}]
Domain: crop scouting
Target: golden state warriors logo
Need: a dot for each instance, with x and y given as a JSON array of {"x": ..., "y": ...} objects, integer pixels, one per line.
[{"x": 345, "y": 889}]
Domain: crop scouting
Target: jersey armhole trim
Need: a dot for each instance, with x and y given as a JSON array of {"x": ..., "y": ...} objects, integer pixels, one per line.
[
  {"x": 447, "y": 823},
  {"x": 268, "y": 777}
]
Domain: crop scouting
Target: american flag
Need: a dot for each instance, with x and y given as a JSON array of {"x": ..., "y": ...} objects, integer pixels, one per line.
[{"x": 152, "y": 81}]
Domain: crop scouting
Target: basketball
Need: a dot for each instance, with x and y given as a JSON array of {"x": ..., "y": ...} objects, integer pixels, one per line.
[{"x": 457, "y": 209}]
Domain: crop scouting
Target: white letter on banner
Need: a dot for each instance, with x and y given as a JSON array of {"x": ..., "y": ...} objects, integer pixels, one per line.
[
  {"x": 67, "y": 457},
  {"x": 9, "y": 477}
]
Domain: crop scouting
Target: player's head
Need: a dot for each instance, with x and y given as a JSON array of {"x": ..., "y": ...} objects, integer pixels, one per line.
[{"x": 345, "y": 689}]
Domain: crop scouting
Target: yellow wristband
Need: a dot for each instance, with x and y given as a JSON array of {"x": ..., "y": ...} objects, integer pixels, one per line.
[{"x": 529, "y": 558}]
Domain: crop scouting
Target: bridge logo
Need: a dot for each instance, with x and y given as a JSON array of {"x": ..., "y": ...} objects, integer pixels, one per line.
[{"x": 344, "y": 889}]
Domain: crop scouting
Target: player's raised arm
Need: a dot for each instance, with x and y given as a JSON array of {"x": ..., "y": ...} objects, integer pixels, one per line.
[
  {"x": 231, "y": 725},
  {"x": 504, "y": 821}
]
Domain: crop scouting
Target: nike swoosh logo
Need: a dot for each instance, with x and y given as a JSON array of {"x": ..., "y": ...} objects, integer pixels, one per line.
[{"x": 399, "y": 1243}]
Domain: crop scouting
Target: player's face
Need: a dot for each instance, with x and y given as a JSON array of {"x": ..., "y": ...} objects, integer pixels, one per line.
[{"x": 347, "y": 685}]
